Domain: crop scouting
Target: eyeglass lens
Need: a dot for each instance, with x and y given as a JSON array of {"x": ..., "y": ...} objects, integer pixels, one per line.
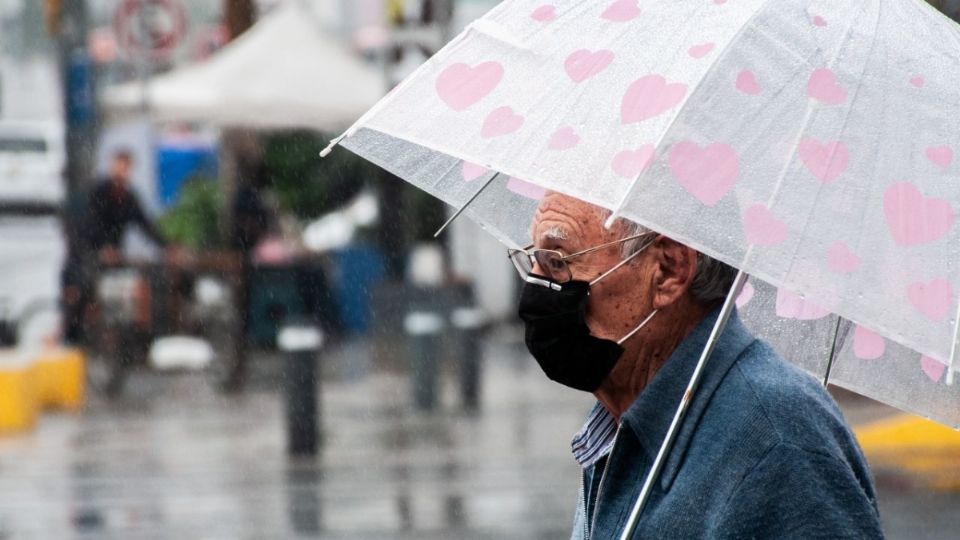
[{"x": 553, "y": 265}]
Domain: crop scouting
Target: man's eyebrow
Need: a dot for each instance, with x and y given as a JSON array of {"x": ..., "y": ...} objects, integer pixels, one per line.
[{"x": 555, "y": 233}]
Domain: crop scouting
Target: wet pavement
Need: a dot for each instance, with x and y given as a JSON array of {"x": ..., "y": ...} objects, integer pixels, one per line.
[{"x": 173, "y": 459}]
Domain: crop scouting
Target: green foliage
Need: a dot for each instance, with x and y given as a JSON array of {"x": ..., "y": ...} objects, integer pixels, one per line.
[
  {"x": 306, "y": 185},
  {"x": 194, "y": 220}
]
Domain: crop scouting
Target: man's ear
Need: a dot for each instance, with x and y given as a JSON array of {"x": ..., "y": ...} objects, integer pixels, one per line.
[{"x": 676, "y": 268}]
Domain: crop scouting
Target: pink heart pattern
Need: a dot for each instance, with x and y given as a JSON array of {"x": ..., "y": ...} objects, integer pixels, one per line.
[
  {"x": 823, "y": 87},
  {"x": 648, "y": 97},
  {"x": 867, "y": 344},
  {"x": 525, "y": 189},
  {"x": 502, "y": 121},
  {"x": 621, "y": 11},
  {"x": 706, "y": 173},
  {"x": 826, "y": 161},
  {"x": 932, "y": 368},
  {"x": 699, "y": 51},
  {"x": 583, "y": 64},
  {"x": 544, "y": 13},
  {"x": 472, "y": 171},
  {"x": 563, "y": 139},
  {"x": 710, "y": 172},
  {"x": 461, "y": 86},
  {"x": 762, "y": 228},
  {"x": 747, "y": 83},
  {"x": 941, "y": 156},
  {"x": 914, "y": 219},
  {"x": 630, "y": 163},
  {"x": 933, "y": 299},
  {"x": 793, "y": 306},
  {"x": 841, "y": 259}
]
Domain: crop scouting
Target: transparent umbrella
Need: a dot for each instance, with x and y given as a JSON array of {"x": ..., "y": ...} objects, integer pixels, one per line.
[{"x": 809, "y": 143}]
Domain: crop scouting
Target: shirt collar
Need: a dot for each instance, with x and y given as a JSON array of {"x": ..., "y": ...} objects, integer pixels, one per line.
[
  {"x": 651, "y": 414},
  {"x": 595, "y": 438}
]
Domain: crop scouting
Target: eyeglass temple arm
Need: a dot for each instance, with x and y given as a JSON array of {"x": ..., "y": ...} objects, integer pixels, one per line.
[
  {"x": 621, "y": 263},
  {"x": 608, "y": 244}
]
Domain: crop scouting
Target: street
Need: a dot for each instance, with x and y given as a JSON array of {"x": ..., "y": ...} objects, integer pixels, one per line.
[
  {"x": 229, "y": 173},
  {"x": 174, "y": 460}
]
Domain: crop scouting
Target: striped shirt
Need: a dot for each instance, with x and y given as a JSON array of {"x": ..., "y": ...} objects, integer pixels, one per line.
[{"x": 595, "y": 438}]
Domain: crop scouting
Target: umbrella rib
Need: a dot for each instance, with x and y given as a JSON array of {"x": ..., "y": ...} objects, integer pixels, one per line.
[
  {"x": 465, "y": 205},
  {"x": 833, "y": 351},
  {"x": 953, "y": 346},
  {"x": 806, "y": 124}
]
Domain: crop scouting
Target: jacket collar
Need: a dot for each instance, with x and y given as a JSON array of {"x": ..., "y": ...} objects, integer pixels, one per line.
[{"x": 651, "y": 414}]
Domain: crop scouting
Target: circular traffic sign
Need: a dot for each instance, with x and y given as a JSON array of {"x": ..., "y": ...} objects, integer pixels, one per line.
[{"x": 149, "y": 27}]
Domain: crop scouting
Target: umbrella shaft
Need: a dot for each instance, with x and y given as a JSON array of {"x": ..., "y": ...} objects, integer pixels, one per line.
[{"x": 728, "y": 306}]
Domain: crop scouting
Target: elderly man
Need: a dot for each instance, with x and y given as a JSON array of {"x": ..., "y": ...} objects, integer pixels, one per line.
[{"x": 624, "y": 313}]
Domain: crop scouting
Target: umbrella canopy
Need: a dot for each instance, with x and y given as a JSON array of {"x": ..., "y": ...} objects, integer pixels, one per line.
[
  {"x": 284, "y": 72},
  {"x": 809, "y": 143}
]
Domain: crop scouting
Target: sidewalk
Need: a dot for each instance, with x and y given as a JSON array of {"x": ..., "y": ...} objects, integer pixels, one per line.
[{"x": 174, "y": 460}]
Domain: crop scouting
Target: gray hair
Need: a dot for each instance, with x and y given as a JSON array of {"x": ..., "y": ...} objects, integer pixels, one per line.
[{"x": 712, "y": 281}]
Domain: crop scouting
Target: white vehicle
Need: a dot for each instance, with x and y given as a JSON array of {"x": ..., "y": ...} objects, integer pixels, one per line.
[{"x": 32, "y": 161}]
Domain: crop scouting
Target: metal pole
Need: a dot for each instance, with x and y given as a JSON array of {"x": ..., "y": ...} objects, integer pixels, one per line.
[
  {"x": 423, "y": 335},
  {"x": 469, "y": 322},
  {"x": 728, "y": 306},
  {"x": 301, "y": 344},
  {"x": 79, "y": 93}
]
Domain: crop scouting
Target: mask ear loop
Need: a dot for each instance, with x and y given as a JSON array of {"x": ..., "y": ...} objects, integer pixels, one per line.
[
  {"x": 638, "y": 328},
  {"x": 621, "y": 263}
]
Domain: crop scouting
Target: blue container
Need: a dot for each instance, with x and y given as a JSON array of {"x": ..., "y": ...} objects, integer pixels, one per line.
[
  {"x": 178, "y": 163},
  {"x": 358, "y": 270}
]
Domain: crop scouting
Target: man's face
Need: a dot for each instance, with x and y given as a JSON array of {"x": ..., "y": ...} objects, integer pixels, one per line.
[
  {"x": 120, "y": 170},
  {"x": 621, "y": 300}
]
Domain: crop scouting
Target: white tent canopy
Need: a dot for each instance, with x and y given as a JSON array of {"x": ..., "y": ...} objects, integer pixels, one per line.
[{"x": 282, "y": 73}]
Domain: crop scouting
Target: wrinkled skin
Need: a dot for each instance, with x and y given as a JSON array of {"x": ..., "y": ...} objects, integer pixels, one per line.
[{"x": 657, "y": 279}]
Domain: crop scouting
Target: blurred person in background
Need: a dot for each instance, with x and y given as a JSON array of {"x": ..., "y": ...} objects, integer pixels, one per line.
[
  {"x": 96, "y": 223},
  {"x": 252, "y": 220},
  {"x": 251, "y": 217}
]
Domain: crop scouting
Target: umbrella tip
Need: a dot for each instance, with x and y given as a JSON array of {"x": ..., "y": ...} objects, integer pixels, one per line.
[{"x": 326, "y": 151}]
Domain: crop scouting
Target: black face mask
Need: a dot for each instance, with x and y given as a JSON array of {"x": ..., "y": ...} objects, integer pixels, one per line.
[{"x": 559, "y": 339}]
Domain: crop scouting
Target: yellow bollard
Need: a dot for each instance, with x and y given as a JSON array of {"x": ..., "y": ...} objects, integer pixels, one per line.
[
  {"x": 925, "y": 450},
  {"x": 60, "y": 381},
  {"x": 18, "y": 403}
]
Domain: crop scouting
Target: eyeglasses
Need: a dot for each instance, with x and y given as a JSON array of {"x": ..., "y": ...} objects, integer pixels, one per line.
[{"x": 554, "y": 264}]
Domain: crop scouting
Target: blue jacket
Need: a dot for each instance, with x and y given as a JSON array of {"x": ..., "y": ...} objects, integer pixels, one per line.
[{"x": 763, "y": 452}]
